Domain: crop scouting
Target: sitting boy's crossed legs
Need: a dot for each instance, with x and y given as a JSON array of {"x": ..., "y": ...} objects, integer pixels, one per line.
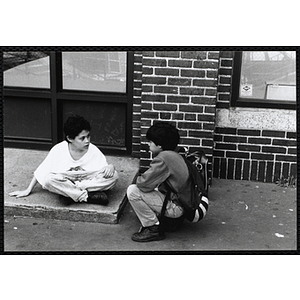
[{"x": 77, "y": 188}]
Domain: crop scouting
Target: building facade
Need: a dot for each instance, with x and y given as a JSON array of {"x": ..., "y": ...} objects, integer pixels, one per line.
[{"x": 239, "y": 107}]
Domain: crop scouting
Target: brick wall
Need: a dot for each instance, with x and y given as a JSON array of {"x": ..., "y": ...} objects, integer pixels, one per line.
[
  {"x": 261, "y": 155},
  {"x": 185, "y": 88},
  {"x": 249, "y": 154},
  {"x": 225, "y": 79},
  {"x": 137, "y": 94},
  {"x": 180, "y": 87}
]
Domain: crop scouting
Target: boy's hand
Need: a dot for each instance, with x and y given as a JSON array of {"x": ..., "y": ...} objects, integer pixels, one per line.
[
  {"x": 19, "y": 194},
  {"x": 108, "y": 171}
]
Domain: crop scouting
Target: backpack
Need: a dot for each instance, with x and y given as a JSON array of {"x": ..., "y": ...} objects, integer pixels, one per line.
[
  {"x": 200, "y": 160},
  {"x": 196, "y": 206}
]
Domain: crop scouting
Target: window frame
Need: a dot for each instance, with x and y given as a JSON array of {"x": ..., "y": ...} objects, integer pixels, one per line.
[
  {"x": 236, "y": 101},
  {"x": 57, "y": 95}
]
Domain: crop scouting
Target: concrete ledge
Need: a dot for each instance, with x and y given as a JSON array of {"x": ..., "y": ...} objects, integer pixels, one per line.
[{"x": 19, "y": 165}]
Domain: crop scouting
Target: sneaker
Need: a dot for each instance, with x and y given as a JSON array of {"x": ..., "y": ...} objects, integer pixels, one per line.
[
  {"x": 148, "y": 234},
  {"x": 97, "y": 198}
]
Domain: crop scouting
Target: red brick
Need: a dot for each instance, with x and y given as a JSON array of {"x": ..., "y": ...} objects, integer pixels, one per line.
[
  {"x": 194, "y": 54},
  {"x": 226, "y": 54},
  {"x": 148, "y": 53},
  {"x": 189, "y": 141},
  {"x": 192, "y": 73},
  {"x": 191, "y": 91},
  {"x": 274, "y": 149},
  {"x": 177, "y": 99},
  {"x": 249, "y": 148},
  {"x": 154, "y": 80},
  {"x": 208, "y": 126},
  {"x": 273, "y": 133},
  {"x": 153, "y": 98},
  {"x": 237, "y": 154},
  {"x": 248, "y": 132},
  {"x": 205, "y": 117},
  {"x": 286, "y": 142},
  {"x": 166, "y": 89},
  {"x": 179, "y": 81},
  {"x": 167, "y": 53},
  {"x": 147, "y": 71},
  {"x": 180, "y": 63},
  {"x": 219, "y": 153},
  {"x": 213, "y": 55},
  {"x": 154, "y": 62},
  {"x": 190, "y": 125},
  {"x": 225, "y": 80},
  {"x": 209, "y": 109},
  {"x": 203, "y": 100},
  {"x": 165, "y": 106},
  {"x": 225, "y": 146},
  {"x": 201, "y": 134},
  {"x": 191, "y": 108},
  {"x": 212, "y": 73},
  {"x": 210, "y": 92},
  {"x": 147, "y": 88},
  {"x": 146, "y": 106},
  {"x": 165, "y": 116},
  {"x": 204, "y": 82},
  {"x": 177, "y": 116},
  {"x": 264, "y": 141},
  {"x": 262, "y": 156},
  {"x": 235, "y": 139},
  {"x": 167, "y": 71},
  {"x": 206, "y": 64},
  {"x": 286, "y": 158},
  {"x": 224, "y": 89},
  {"x": 226, "y": 62},
  {"x": 190, "y": 117},
  {"x": 150, "y": 115}
]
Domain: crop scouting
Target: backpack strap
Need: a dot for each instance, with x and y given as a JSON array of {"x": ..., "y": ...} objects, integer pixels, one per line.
[
  {"x": 163, "y": 210},
  {"x": 167, "y": 198}
]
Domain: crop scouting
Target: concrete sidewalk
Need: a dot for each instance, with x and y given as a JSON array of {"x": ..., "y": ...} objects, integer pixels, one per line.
[
  {"x": 243, "y": 216},
  {"x": 19, "y": 165}
]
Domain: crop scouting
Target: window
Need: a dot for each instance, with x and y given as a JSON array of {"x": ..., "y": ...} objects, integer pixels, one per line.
[
  {"x": 41, "y": 89},
  {"x": 94, "y": 71},
  {"x": 26, "y": 69},
  {"x": 264, "y": 79}
]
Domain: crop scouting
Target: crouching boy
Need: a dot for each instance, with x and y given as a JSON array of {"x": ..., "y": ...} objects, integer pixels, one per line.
[
  {"x": 147, "y": 195},
  {"x": 75, "y": 168}
]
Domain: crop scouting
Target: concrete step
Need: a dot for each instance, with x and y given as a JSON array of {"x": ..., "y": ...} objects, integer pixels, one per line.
[{"x": 19, "y": 165}]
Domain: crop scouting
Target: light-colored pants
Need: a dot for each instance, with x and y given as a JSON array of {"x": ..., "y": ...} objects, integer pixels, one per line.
[
  {"x": 77, "y": 187},
  {"x": 147, "y": 206}
]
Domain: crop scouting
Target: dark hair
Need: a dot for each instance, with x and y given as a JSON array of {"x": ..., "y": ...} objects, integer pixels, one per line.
[
  {"x": 74, "y": 125},
  {"x": 163, "y": 134}
]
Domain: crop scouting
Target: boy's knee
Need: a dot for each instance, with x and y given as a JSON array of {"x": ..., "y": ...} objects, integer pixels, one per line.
[
  {"x": 132, "y": 192},
  {"x": 52, "y": 179}
]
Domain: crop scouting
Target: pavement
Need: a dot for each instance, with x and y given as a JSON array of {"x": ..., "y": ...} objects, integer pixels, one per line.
[
  {"x": 245, "y": 216},
  {"x": 19, "y": 165}
]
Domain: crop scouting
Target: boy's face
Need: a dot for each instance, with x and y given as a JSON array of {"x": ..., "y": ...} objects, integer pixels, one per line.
[
  {"x": 81, "y": 141},
  {"x": 154, "y": 148}
]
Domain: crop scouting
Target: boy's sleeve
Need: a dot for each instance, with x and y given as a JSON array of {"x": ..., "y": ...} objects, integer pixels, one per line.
[
  {"x": 43, "y": 169},
  {"x": 154, "y": 176}
]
